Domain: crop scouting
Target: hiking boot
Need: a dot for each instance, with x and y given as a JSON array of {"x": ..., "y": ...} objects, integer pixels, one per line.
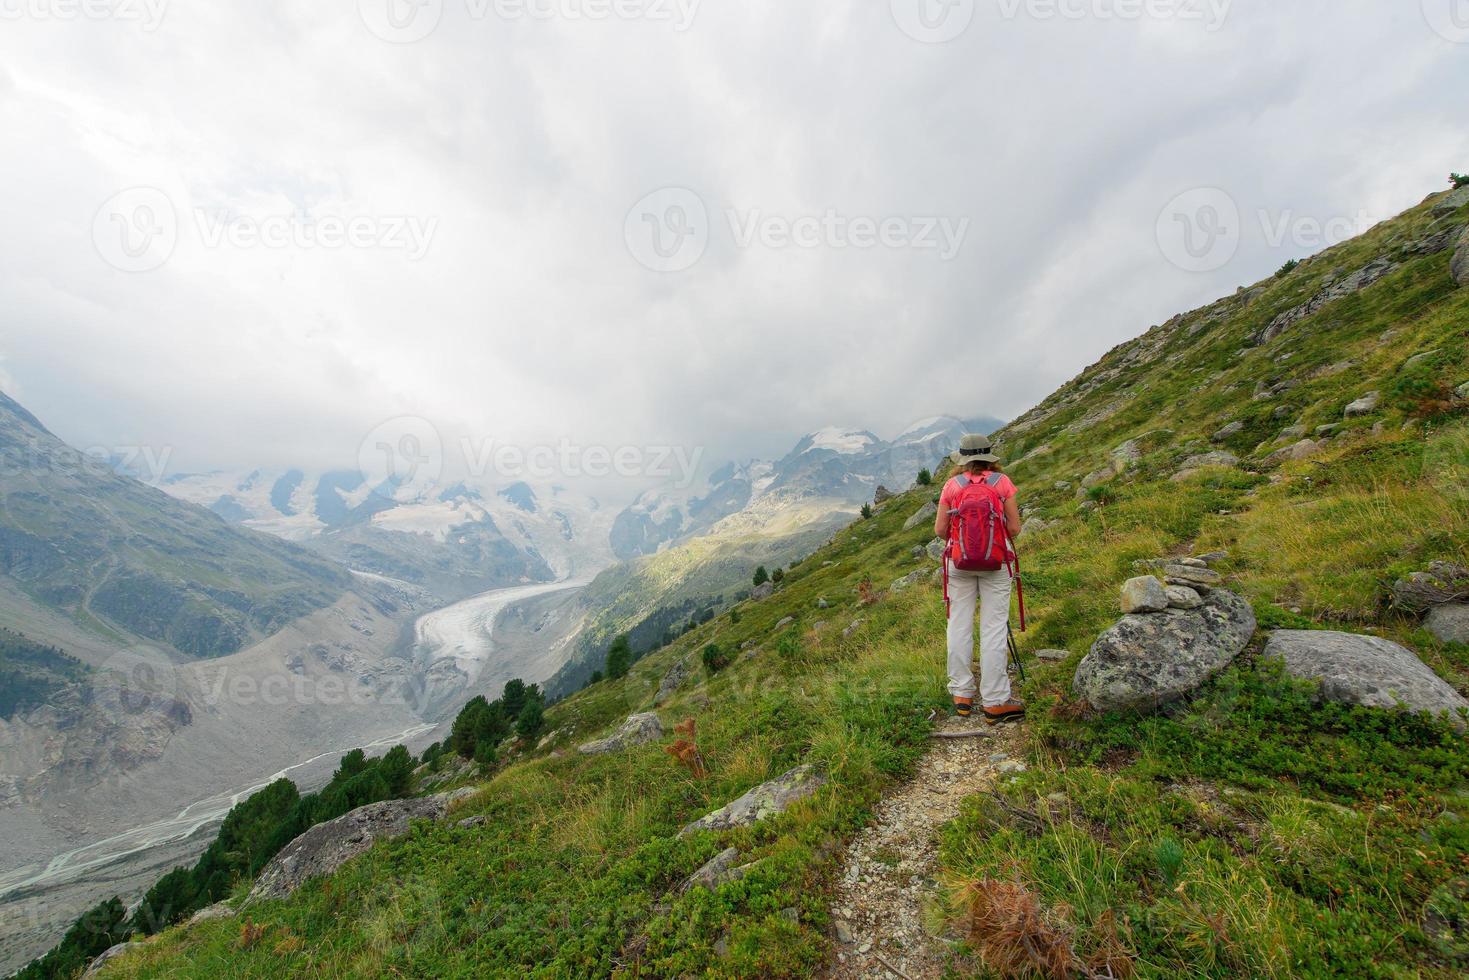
[
  {"x": 963, "y": 707},
  {"x": 1007, "y": 712}
]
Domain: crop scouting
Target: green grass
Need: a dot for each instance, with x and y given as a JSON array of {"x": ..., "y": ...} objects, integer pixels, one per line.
[{"x": 1250, "y": 831}]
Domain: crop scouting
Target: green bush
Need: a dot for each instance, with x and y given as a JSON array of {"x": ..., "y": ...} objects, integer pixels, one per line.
[{"x": 715, "y": 659}]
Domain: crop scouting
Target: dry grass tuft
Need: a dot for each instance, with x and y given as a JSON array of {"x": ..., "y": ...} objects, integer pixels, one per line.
[{"x": 1015, "y": 939}]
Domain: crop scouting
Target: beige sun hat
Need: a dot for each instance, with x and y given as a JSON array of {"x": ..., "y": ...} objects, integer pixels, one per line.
[{"x": 974, "y": 448}]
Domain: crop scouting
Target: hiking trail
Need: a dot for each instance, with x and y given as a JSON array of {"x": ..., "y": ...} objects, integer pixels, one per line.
[{"x": 889, "y": 872}]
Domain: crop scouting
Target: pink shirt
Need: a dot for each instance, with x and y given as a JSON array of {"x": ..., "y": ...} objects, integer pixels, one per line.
[{"x": 950, "y": 496}]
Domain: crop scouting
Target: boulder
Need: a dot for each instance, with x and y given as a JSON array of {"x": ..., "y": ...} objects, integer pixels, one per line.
[
  {"x": 1216, "y": 458},
  {"x": 935, "y": 549},
  {"x": 636, "y": 730},
  {"x": 1183, "y": 597},
  {"x": 1192, "y": 576},
  {"x": 766, "y": 800},
  {"x": 851, "y": 628},
  {"x": 719, "y": 869},
  {"x": 107, "y": 956},
  {"x": 762, "y": 591},
  {"x": 1451, "y": 202},
  {"x": 1365, "y": 405},
  {"x": 883, "y": 495},
  {"x": 327, "y": 846},
  {"x": 1034, "y": 525},
  {"x": 1443, "y": 582},
  {"x": 1146, "y": 661},
  {"x": 909, "y": 580},
  {"x": 785, "y": 621},
  {"x": 1449, "y": 622},
  {"x": 1418, "y": 359},
  {"x": 1213, "y": 557},
  {"x": 1462, "y": 392},
  {"x": 1228, "y": 432},
  {"x": 219, "y": 910},
  {"x": 672, "y": 680},
  {"x": 1292, "y": 432},
  {"x": 1304, "y": 449},
  {"x": 1365, "y": 670},
  {"x": 1143, "y": 594},
  {"x": 1459, "y": 265},
  {"x": 927, "y": 512}
]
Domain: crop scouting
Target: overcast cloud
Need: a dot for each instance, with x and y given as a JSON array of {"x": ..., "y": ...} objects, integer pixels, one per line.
[{"x": 863, "y": 227}]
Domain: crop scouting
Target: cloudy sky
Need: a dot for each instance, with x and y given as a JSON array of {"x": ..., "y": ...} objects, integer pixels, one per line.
[{"x": 252, "y": 232}]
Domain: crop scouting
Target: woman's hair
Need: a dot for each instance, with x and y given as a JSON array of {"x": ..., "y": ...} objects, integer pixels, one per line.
[{"x": 962, "y": 468}]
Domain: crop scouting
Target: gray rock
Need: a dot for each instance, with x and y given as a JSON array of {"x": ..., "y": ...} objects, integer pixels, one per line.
[
  {"x": 327, "y": 846},
  {"x": 1304, "y": 449},
  {"x": 1216, "y": 458},
  {"x": 1099, "y": 476},
  {"x": 883, "y": 495},
  {"x": 927, "y": 512},
  {"x": 1332, "y": 289},
  {"x": 637, "y": 730},
  {"x": 1191, "y": 576},
  {"x": 1330, "y": 429},
  {"x": 1459, "y": 264},
  {"x": 1034, "y": 525},
  {"x": 1064, "y": 485},
  {"x": 1228, "y": 432},
  {"x": 1187, "y": 563},
  {"x": 219, "y": 910},
  {"x": 788, "y": 620},
  {"x": 1449, "y": 622},
  {"x": 1451, "y": 202},
  {"x": 762, "y": 591},
  {"x": 672, "y": 680},
  {"x": 1210, "y": 558},
  {"x": 935, "y": 549},
  {"x": 1183, "y": 597},
  {"x": 1146, "y": 661},
  {"x": 851, "y": 628},
  {"x": 1365, "y": 670},
  {"x": 1143, "y": 594},
  {"x": 1365, "y": 405},
  {"x": 108, "y": 955},
  {"x": 821, "y": 603},
  {"x": 766, "y": 800},
  {"x": 1418, "y": 359},
  {"x": 719, "y": 869},
  {"x": 1052, "y": 656},
  {"x": 469, "y": 823},
  {"x": 1292, "y": 432},
  {"x": 909, "y": 580},
  {"x": 791, "y": 915},
  {"x": 1462, "y": 392},
  {"x": 1443, "y": 582},
  {"x": 843, "y": 930}
]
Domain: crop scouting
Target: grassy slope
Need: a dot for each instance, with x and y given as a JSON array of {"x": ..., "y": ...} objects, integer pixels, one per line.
[{"x": 1249, "y": 832}]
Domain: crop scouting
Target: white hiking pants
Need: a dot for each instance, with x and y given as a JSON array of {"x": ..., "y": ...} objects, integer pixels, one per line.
[{"x": 992, "y": 589}]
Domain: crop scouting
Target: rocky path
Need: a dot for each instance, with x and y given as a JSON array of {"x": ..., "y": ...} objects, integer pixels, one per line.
[{"x": 889, "y": 874}]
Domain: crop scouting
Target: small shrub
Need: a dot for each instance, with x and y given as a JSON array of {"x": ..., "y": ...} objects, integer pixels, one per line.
[
  {"x": 866, "y": 512},
  {"x": 685, "y": 749},
  {"x": 866, "y": 593},
  {"x": 761, "y": 575},
  {"x": 1459, "y": 180},
  {"x": 1287, "y": 269},
  {"x": 715, "y": 659},
  {"x": 778, "y": 576},
  {"x": 925, "y": 478}
]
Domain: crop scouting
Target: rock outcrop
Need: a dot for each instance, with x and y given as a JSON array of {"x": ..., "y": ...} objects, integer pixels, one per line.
[
  {"x": 925, "y": 513},
  {"x": 1449, "y": 623},
  {"x": 1340, "y": 289},
  {"x": 1459, "y": 265},
  {"x": 637, "y": 730},
  {"x": 719, "y": 869},
  {"x": 1365, "y": 670},
  {"x": 327, "y": 846},
  {"x": 766, "y": 800},
  {"x": 1145, "y": 661},
  {"x": 1443, "y": 582},
  {"x": 673, "y": 680},
  {"x": 1365, "y": 405},
  {"x": 1144, "y": 594}
]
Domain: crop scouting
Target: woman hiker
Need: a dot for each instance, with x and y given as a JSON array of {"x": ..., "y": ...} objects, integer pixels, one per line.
[{"x": 977, "y": 468}]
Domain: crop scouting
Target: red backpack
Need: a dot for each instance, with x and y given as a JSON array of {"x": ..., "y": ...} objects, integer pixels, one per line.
[{"x": 978, "y": 541}]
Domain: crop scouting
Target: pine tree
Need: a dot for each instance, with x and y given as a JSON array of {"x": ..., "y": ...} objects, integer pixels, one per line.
[
  {"x": 619, "y": 657},
  {"x": 761, "y": 576}
]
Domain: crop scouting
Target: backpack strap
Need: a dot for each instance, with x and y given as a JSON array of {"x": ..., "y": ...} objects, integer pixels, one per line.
[
  {"x": 963, "y": 480},
  {"x": 993, "y": 479}
]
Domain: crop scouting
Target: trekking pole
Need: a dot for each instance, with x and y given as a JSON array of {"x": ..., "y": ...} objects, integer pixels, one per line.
[{"x": 1014, "y": 652}]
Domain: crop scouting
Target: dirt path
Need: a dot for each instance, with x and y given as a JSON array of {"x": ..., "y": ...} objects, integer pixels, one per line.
[{"x": 889, "y": 874}]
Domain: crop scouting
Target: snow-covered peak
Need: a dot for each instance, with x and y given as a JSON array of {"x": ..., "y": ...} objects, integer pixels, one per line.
[{"x": 844, "y": 442}]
